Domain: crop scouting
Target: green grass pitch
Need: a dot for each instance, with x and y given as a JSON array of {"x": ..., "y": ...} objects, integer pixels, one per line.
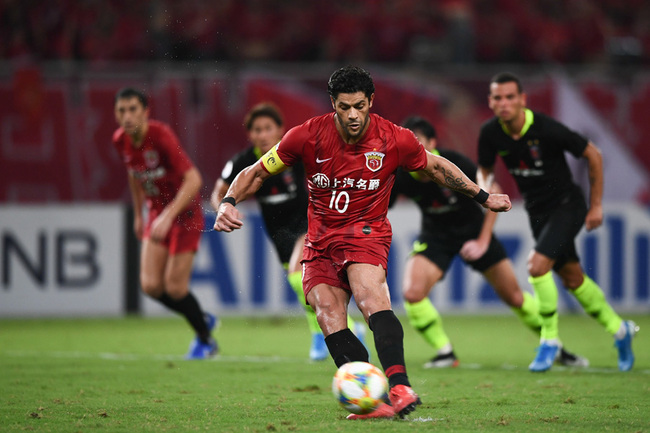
[{"x": 128, "y": 375}]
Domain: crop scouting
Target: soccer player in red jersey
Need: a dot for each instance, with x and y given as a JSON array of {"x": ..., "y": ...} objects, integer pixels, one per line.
[
  {"x": 350, "y": 158},
  {"x": 162, "y": 176},
  {"x": 283, "y": 203}
]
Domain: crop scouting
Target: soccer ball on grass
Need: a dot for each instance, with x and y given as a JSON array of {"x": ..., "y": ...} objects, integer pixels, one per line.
[{"x": 360, "y": 387}]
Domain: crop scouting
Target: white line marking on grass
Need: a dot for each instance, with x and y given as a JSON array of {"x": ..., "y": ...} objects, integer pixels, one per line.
[
  {"x": 143, "y": 357},
  {"x": 422, "y": 419},
  {"x": 511, "y": 367},
  {"x": 264, "y": 359}
]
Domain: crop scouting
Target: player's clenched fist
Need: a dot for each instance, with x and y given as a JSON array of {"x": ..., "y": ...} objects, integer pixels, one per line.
[
  {"x": 498, "y": 203},
  {"x": 228, "y": 218}
]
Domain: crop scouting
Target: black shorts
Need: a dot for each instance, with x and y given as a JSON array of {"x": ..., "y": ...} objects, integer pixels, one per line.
[
  {"x": 555, "y": 231},
  {"x": 284, "y": 237},
  {"x": 441, "y": 249}
]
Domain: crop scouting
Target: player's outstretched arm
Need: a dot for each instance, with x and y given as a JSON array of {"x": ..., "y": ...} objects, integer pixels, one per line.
[
  {"x": 247, "y": 182},
  {"x": 446, "y": 173},
  {"x": 218, "y": 193}
]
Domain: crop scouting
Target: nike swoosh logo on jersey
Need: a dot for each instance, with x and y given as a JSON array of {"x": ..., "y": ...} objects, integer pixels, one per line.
[{"x": 318, "y": 160}]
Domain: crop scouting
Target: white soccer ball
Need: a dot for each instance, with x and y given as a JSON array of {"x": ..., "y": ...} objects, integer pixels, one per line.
[{"x": 360, "y": 387}]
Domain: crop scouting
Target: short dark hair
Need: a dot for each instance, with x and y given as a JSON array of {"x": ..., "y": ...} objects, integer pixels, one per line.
[
  {"x": 263, "y": 109},
  {"x": 130, "y": 92},
  {"x": 420, "y": 124},
  {"x": 350, "y": 79},
  {"x": 507, "y": 77}
]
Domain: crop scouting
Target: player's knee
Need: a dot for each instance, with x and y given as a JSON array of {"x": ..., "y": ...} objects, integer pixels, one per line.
[
  {"x": 572, "y": 282},
  {"x": 539, "y": 264},
  {"x": 413, "y": 294},
  {"x": 572, "y": 275},
  {"x": 537, "y": 269},
  {"x": 151, "y": 287},
  {"x": 326, "y": 306},
  {"x": 176, "y": 289}
]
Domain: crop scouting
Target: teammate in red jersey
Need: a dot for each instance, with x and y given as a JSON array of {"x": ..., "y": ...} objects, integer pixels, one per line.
[
  {"x": 350, "y": 157},
  {"x": 161, "y": 174}
]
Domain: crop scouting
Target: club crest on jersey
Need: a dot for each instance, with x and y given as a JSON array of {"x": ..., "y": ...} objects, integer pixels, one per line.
[
  {"x": 151, "y": 159},
  {"x": 533, "y": 146},
  {"x": 374, "y": 160}
]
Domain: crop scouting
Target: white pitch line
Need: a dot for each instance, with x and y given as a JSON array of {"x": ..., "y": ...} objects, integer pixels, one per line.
[
  {"x": 554, "y": 368},
  {"x": 261, "y": 359},
  {"x": 422, "y": 419},
  {"x": 137, "y": 357}
]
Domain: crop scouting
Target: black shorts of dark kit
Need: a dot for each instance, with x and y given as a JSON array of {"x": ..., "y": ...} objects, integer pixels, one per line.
[
  {"x": 555, "y": 231},
  {"x": 284, "y": 237},
  {"x": 441, "y": 249}
]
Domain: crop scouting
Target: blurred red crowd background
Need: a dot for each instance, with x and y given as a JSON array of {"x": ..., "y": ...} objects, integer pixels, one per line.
[{"x": 460, "y": 31}]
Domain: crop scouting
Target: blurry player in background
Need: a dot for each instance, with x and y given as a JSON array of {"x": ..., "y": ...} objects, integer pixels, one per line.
[
  {"x": 452, "y": 224},
  {"x": 350, "y": 157},
  {"x": 161, "y": 174},
  {"x": 283, "y": 204},
  {"x": 532, "y": 147}
]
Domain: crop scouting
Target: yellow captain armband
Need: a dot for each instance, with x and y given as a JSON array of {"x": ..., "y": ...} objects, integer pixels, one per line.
[{"x": 272, "y": 161}]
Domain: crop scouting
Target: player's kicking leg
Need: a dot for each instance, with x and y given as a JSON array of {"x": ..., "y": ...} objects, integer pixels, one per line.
[
  {"x": 389, "y": 338},
  {"x": 368, "y": 283}
]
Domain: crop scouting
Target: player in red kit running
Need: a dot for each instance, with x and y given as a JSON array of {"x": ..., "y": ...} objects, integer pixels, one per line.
[
  {"x": 350, "y": 157},
  {"x": 161, "y": 174}
]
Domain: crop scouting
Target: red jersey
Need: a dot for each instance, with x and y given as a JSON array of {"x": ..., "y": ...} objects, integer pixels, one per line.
[
  {"x": 349, "y": 184},
  {"x": 158, "y": 164}
]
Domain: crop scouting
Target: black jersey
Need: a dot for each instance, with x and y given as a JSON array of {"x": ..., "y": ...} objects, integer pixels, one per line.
[
  {"x": 443, "y": 210},
  {"x": 536, "y": 160},
  {"x": 282, "y": 198}
]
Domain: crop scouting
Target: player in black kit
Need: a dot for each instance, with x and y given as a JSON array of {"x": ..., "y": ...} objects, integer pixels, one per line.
[
  {"x": 452, "y": 224},
  {"x": 283, "y": 204},
  {"x": 532, "y": 146}
]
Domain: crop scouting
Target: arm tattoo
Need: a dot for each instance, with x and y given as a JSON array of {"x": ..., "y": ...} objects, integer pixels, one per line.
[{"x": 456, "y": 183}]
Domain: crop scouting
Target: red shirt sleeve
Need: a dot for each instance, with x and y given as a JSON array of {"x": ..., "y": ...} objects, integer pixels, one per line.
[
  {"x": 412, "y": 154},
  {"x": 291, "y": 146},
  {"x": 177, "y": 159}
]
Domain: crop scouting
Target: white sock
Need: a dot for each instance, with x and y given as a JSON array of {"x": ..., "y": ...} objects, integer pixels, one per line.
[
  {"x": 622, "y": 331},
  {"x": 446, "y": 349},
  {"x": 550, "y": 341}
]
